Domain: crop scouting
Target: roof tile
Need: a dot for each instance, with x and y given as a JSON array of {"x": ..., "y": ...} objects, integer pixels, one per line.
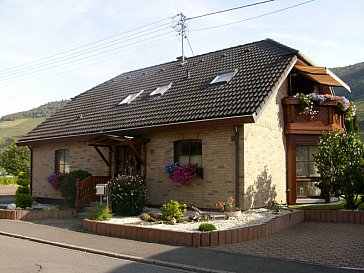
[{"x": 259, "y": 65}]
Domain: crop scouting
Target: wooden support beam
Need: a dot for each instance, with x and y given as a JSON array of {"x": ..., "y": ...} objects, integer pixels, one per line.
[{"x": 108, "y": 163}]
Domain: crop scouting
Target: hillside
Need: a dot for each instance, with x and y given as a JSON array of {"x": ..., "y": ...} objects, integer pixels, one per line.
[
  {"x": 43, "y": 111},
  {"x": 14, "y": 126},
  {"x": 353, "y": 75}
]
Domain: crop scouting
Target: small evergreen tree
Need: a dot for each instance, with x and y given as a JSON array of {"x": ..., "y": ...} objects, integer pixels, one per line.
[{"x": 23, "y": 199}]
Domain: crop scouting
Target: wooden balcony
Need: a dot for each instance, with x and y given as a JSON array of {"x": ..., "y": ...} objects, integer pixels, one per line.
[{"x": 327, "y": 116}]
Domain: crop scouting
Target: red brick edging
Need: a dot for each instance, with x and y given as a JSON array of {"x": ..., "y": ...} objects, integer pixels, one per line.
[
  {"x": 335, "y": 216},
  {"x": 29, "y": 215},
  {"x": 195, "y": 239}
]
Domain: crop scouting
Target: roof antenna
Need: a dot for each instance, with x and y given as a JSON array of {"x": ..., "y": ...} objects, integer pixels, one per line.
[{"x": 181, "y": 28}]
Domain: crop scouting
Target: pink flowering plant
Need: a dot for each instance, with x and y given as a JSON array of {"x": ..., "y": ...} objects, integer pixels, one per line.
[
  {"x": 53, "y": 179},
  {"x": 181, "y": 174},
  {"x": 229, "y": 205}
]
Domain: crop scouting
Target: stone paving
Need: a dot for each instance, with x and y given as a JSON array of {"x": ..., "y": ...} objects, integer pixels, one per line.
[{"x": 333, "y": 244}]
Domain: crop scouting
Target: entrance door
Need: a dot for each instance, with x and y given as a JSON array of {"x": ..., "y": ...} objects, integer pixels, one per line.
[{"x": 126, "y": 162}]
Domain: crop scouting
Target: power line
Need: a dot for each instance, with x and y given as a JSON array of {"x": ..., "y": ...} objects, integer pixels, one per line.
[
  {"x": 88, "y": 44},
  {"x": 74, "y": 57},
  {"x": 226, "y": 10},
  {"x": 60, "y": 71},
  {"x": 17, "y": 75},
  {"x": 254, "y": 17}
]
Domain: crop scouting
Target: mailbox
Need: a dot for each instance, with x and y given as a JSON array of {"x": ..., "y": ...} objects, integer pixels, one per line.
[{"x": 101, "y": 189}]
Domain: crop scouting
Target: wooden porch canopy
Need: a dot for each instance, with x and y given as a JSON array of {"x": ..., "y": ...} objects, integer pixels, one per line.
[
  {"x": 110, "y": 140},
  {"x": 321, "y": 75}
]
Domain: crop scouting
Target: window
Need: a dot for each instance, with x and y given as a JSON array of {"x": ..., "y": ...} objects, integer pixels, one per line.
[
  {"x": 161, "y": 89},
  {"x": 130, "y": 98},
  {"x": 62, "y": 161},
  {"x": 224, "y": 77},
  {"x": 188, "y": 151},
  {"x": 305, "y": 163}
]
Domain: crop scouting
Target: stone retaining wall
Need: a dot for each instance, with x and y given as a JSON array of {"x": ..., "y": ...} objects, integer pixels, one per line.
[
  {"x": 195, "y": 239},
  {"x": 29, "y": 215}
]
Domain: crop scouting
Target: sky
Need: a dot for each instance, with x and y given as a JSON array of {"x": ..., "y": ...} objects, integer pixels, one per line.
[{"x": 52, "y": 50}]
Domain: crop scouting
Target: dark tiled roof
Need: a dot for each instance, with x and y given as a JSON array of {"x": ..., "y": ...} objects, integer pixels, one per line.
[{"x": 260, "y": 66}]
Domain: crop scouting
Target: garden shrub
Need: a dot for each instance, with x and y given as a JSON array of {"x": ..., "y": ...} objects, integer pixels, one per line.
[
  {"x": 128, "y": 196},
  {"x": 102, "y": 214},
  {"x": 67, "y": 185},
  {"x": 173, "y": 209},
  {"x": 339, "y": 160},
  {"x": 206, "y": 227},
  {"x": 23, "y": 179},
  {"x": 22, "y": 190},
  {"x": 23, "y": 199}
]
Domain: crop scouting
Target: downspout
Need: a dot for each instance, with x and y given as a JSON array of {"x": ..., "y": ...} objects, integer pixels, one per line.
[
  {"x": 31, "y": 170},
  {"x": 237, "y": 166}
]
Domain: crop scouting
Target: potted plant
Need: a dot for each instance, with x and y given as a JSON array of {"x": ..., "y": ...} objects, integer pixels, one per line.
[{"x": 229, "y": 208}]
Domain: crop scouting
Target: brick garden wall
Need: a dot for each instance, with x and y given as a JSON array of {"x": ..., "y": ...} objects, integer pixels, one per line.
[{"x": 82, "y": 157}]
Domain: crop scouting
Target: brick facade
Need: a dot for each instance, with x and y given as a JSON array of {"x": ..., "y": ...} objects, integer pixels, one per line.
[
  {"x": 218, "y": 164},
  {"x": 82, "y": 157},
  {"x": 262, "y": 156},
  {"x": 265, "y": 155}
]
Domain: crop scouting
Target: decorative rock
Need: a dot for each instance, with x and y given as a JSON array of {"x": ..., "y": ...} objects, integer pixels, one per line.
[
  {"x": 11, "y": 206},
  {"x": 173, "y": 221},
  {"x": 144, "y": 216}
]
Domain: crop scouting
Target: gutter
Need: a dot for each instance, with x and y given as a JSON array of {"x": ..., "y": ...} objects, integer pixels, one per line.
[
  {"x": 249, "y": 119},
  {"x": 237, "y": 166}
]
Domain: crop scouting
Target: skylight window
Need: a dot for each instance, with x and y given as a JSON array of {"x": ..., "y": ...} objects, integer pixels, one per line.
[
  {"x": 224, "y": 77},
  {"x": 130, "y": 98},
  {"x": 161, "y": 89}
]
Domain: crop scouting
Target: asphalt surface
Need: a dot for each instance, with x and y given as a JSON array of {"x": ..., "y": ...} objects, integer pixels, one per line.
[
  {"x": 307, "y": 247},
  {"x": 183, "y": 258}
]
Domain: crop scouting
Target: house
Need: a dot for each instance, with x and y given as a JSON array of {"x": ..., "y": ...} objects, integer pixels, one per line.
[{"x": 231, "y": 111}]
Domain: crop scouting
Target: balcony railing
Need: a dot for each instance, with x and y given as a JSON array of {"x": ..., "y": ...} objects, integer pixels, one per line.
[
  {"x": 326, "y": 116},
  {"x": 86, "y": 190}
]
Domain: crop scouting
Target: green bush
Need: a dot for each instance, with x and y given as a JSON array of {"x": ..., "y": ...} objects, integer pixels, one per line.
[
  {"x": 23, "y": 190},
  {"x": 206, "y": 227},
  {"x": 67, "y": 185},
  {"x": 23, "y": 179},
  {"x": 128, "y": 195},
  {"x": 102, "y": 214},
  {"x": 173, "y": 209},
  {"x": 23, "y": 200}
]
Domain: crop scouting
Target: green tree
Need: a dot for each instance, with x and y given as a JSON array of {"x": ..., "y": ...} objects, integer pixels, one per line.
[
  {"x": 340, "y": 162},
  {"x": 15, "y": 159}
]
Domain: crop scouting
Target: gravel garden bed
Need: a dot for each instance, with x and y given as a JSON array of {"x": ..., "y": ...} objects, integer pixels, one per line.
[{"x": 248, "y": 218}]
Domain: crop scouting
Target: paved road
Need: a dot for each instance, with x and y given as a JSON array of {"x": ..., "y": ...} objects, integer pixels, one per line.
[
  {"x": 22, "y": 256},
  {"x": 203, "y": 259}
]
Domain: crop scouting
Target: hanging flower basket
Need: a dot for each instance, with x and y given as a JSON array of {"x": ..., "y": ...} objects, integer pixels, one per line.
[{"x": 181, "y": 174}]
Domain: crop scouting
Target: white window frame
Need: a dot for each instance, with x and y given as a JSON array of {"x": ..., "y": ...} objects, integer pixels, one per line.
[
  {"x": 130, "y": 98},
  {"x": 224, "y": 77},
  {"x": 161, "y": 89}
]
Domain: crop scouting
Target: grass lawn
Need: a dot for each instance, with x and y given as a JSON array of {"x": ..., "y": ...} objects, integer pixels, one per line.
[
  {"x": 331, "y": 206},
  {"x": 4, "y": 180}
]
